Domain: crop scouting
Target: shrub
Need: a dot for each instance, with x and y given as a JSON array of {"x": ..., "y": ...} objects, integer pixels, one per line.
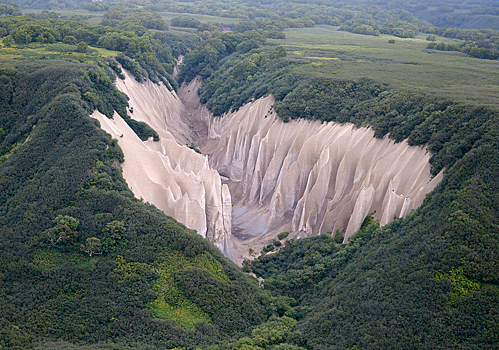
[{"x": 283, "y": 235}]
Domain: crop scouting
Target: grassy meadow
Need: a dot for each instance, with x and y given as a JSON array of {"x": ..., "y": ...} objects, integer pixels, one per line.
[
  {"x": 53, "y": 51},
  {"x": 95, "y": 17},
  {"x": 405, "y": 64},
  {"x": 167, "y": 16}
]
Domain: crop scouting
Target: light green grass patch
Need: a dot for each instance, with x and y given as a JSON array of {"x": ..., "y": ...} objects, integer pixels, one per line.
[
  {"x": 49, "y": 258},
  {"x": 461, "y": 285},
  {"x": 183, "y": 313},
  {"x": 95, "y": 17},
  {"x": 203, "y": 18},
  {"x": 53, "y": 51},
  {"x": 171, "y": 304},
  {"x": 323, "y": 58},
  {"x": 104, "y": 52}
]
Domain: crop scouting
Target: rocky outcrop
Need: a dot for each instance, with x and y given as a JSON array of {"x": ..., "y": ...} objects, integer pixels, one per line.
[
  {"x": 260, "y": 176},
  {"x": 155, "y": 105},
  {"x": 173, "y": 177},
  {"x": 309, "y": 177}
]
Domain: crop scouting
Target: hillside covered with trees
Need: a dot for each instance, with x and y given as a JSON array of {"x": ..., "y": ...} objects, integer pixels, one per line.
[
  {"x": 85, "y": 265},
  {"x": 83, "y": 261}
]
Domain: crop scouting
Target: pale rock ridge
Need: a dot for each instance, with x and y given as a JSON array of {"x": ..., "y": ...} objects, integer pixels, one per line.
[
  {"x": 311, "y": 177},
  {"x": 303, "y": 176},
  {"x": 155, "y": 105},
  {"x": 174, "y": 178},
  {"x": 176, "y": 69}
]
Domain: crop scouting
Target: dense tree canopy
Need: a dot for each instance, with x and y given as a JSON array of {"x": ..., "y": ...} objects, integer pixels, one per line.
[{"x": 89, "y": 252}]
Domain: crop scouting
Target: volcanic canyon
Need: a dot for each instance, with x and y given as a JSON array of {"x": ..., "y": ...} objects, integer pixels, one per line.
[{"x": 241, "y": 179}]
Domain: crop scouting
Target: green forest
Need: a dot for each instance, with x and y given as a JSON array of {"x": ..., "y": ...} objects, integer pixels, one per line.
[{"x": 86, "y": 265}]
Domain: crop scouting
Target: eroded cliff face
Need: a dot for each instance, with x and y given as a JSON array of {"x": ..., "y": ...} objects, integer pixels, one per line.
[
  {"x": 317, "y": 177},
  {"x": 168, "y": 174},
  {"x": 308, "y": 177},
  {"x": 261, "y": 176}
]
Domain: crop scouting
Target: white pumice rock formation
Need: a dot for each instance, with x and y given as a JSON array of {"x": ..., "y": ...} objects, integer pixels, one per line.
[
  {"x": 261, "y": 176},
  {"x": 309, "y": 177},
  {"x": 173, "y": 177}
]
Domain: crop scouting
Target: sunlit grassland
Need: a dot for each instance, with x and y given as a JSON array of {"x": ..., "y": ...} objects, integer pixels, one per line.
[
  {"x": 203, "y": 18},
  {"x": 170, "y": 303},
  {"x": 405, "y": 64},
  {"x": 52, "y": 51},
  {"x": 182, "y": 30},
  {"x": 95, "y": 17},
  {"x": 104, "y": 52}
]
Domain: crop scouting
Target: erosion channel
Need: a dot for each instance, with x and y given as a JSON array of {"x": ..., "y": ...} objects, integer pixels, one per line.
[{"x": 243, "y": 178}]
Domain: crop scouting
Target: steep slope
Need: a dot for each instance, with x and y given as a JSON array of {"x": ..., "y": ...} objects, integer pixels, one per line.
[
  {"x": 309, "y": 177},
  {"x": 84, "y": 262},
  {"x": 304, "y": 177},
  {"x": 428, "y": 281},
  {"x": 173, "y": 177}
]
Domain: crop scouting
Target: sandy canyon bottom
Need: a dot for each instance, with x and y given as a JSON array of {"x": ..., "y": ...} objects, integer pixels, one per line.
[{"x": 257, "y": 176}]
